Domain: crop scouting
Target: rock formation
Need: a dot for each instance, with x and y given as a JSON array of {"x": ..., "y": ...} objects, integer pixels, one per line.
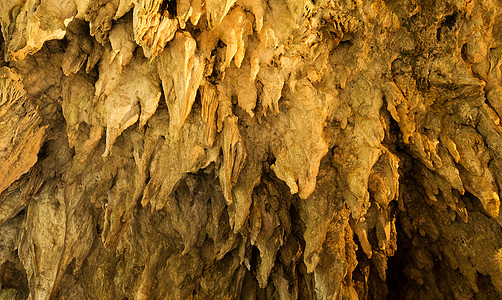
[{"x": 250, "y": 149}]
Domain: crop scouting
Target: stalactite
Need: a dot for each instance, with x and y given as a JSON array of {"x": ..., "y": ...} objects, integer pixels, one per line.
[{"x": 250, "y": 149}]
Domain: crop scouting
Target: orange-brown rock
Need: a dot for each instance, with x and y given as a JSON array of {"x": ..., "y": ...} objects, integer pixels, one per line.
[{"x": 250, "y": 149}]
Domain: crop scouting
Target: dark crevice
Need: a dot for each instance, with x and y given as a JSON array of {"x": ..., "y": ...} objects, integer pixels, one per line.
[
  {"x": 170, "y": 6},
  {"x": 13, "y": 280},
  {"x": 464, "y": 52},
  {"x": 450, "y": 20},
  {"x": 397, "y": 281},
  {"x": 44, "y": 151}
]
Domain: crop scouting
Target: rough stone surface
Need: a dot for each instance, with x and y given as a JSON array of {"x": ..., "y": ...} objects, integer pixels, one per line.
[{"x": 250, "y": 149}]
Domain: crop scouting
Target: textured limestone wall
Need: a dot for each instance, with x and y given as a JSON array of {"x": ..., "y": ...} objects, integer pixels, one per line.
[{"x": 250, "y": 149}]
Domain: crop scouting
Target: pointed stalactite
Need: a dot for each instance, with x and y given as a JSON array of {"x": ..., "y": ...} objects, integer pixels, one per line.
[
  {"x": 209, "y": 101},
  {"x": 234, "y": 157},
  {"x": 181, "y": 70},
  {"x": 125, "y": 104},
  {"x": 305, "y": 149}
]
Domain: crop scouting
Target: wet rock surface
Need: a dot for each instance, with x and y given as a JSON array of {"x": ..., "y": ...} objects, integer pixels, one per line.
[{"x": 250, "y": 149}]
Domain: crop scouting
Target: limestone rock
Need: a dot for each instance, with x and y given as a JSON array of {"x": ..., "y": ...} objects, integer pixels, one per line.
[{"x": 250, "y": 149}]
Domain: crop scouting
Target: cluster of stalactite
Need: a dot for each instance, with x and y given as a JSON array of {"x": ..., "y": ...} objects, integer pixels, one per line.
[{"x": 250, "y": 149}]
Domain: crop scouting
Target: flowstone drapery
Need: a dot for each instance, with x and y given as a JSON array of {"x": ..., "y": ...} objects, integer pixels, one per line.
[{"x": 250, "y": 149}]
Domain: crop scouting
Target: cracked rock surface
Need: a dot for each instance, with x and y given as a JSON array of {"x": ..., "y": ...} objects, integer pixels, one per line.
[{"x": 250, "y": 149}]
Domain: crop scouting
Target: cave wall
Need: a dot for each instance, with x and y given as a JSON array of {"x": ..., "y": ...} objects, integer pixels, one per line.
[{"x": 250, "y": 149}]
